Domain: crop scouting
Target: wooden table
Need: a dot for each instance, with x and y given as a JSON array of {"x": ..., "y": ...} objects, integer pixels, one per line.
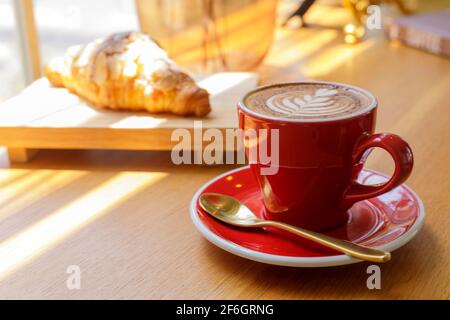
[{"x": 123, "y": 218}]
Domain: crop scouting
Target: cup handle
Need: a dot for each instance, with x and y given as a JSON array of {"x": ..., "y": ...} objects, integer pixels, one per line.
[{"x": 401, "y": 154}]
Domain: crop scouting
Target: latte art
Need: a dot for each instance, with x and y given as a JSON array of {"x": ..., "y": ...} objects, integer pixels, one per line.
[
  {"x": 323, "y": 102},
  {"x": 308, "y": 101}
]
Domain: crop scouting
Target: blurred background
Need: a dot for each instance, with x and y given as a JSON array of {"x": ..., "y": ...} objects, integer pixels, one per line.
[{"x": 62, "y": 23}]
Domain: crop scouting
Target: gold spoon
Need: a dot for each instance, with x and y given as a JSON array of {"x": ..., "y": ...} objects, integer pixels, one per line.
[{"x": 231, "y": 211}]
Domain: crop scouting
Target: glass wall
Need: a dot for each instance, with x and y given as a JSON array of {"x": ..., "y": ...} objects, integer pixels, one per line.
[
  {"x": 60, "y": 23},
  {"x": 11, "y": 77}
]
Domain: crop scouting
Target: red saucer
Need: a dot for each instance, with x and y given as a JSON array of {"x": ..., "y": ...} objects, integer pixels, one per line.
[{"x": 386, "y": 222}]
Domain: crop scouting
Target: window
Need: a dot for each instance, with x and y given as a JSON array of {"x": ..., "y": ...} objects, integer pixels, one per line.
[
  {"x": 11, "y": 80},
  {"x": 60, "y": 23}
]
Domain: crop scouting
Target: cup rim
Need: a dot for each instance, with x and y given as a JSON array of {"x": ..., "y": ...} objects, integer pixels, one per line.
[{"x": 373, "y": 103}]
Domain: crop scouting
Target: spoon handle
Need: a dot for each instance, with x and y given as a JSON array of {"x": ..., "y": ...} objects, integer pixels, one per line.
[{"x": 350, "y": 249}]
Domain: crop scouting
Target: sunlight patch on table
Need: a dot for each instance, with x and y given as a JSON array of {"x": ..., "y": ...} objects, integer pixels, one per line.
[
  {"x": 23, "y": 184},
  {"x": 335, "y": 57},
  {"x": 306, "y": 48},
  {"x": 138, "y": 122},
  {"x": 39, "y": 238},
  {"x": 16, "y": 196}
]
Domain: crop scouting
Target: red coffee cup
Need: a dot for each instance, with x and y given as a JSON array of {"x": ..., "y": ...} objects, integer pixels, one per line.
[{"x": 319, "y": 161}]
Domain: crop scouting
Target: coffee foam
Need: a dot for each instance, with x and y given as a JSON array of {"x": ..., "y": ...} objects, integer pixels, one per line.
[{"x": 308, "y": 100}]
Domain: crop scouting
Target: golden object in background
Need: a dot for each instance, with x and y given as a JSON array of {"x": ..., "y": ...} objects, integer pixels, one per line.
[
  {"x": 353, "y": 33},
  {"x": 211, "y": 35},
  {"x": 359, "y": 8},
  {"x": 128, "y": 71}
]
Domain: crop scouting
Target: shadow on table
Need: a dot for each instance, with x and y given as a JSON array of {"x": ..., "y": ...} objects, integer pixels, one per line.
[
  {"x": 112, "y": 160},
  {"x": 131, "y": 218},
  {"x": 36, "y": 226}
]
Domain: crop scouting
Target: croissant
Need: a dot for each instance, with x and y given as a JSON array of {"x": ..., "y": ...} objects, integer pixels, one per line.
[{"x": 128, "y": 71}]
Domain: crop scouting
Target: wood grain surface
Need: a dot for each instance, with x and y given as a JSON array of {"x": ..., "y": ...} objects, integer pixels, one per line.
[
  {"x": 123, "y": 218},
  {"x": 46, "y": 117}
]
